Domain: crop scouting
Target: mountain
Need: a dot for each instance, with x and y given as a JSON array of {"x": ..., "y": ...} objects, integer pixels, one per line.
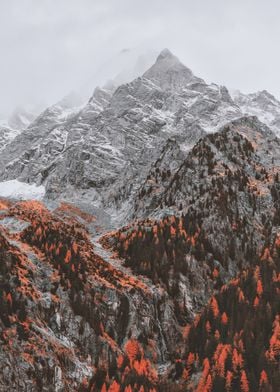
[
  {"x": 225, "y": 153},
  {"x": 6, "y": 135},
  {"x": 166, "y": 303},
  {"x": 226, "y": 192},
  {"x": 169, "y": 73},
  {"x": 261, "y": 104},
  {"x": 151, "y": 261},
  {"x": 45, "y": 132},
  {"x": 212, "y": 243},
  {"x": 158, "y": 178},
  {"x": 99, "y": 152},
  {"x": 19, "y": 120}
]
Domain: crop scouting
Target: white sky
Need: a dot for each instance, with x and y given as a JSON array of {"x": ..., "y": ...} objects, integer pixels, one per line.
[{"x": 49, "y": 47}]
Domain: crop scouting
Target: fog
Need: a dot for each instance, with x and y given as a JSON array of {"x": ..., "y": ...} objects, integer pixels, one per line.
[{"x": 50, "y": 47}]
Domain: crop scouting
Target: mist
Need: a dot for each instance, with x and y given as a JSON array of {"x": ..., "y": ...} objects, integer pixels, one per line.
[{"x": 50, "y": 47}]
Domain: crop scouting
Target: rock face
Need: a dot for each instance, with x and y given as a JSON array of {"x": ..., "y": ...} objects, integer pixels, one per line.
[
  {"x": 261, "y": 104},
  {"x": 158, "y": 178},
  {"x": 169, "y": 74},
  {"x": 19, "y": 120},
  {"x": 6, "y": 135},
  {"x": 105, "y": 149},
  {"x": 112, "y": 142},
  {"x": 46, "y": 130}
]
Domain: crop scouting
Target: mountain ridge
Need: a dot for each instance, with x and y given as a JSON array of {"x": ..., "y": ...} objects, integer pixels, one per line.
[{"x": 117, "y": 122}]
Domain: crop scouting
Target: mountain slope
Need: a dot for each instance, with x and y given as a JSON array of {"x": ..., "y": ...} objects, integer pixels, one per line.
[
  {"x": 69, "y": 319},
  {"x": 261, "y": 104},
  {"x": 105, "y": 151},
  {"x": 6, "y": 135},
  {"x": 214, "y": 214},
  {"x": 234, "y": 343},
  {"x": 184, "y": 297},
  {"x": 219, "y": 244},
  {"x": 19, "y": 120}
]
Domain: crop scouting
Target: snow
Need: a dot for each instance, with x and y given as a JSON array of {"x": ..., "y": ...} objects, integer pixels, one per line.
[
  {"x": 67, "y": 112},
  {"x": 20, "y": 190}
]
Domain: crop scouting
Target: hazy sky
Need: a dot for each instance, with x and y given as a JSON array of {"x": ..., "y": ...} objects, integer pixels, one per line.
[{"x": 49, "y": 47}]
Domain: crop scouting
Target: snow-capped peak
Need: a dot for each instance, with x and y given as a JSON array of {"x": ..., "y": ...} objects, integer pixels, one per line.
[
  {"x": 166, "y": 54},
  {"x": 169, "y": 73}
]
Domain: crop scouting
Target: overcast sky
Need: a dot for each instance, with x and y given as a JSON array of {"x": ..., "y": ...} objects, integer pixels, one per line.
[{"x": 49, "y": 47}]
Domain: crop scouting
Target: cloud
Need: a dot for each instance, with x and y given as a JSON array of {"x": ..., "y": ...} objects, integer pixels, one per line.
[{"x": 49, "y": 47}]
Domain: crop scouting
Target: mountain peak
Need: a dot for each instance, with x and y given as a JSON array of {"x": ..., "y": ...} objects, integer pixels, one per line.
[
  {"x": 169, "y": 73},
  {"x": 266, "y": 95},
  {"x": 166, "y": 54}
]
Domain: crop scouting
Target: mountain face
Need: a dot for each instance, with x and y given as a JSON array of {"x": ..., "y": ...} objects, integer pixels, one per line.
[
  {"x": 19, "y": 120},
  {"x": 245, "y": 146},
  {"x": 261, "y": 104},
  {"x": 169, "y": 74},
  {"x": 215, "y": 237},
  {"x": 226, "y": 191},
  {"x": 6, "y": 135},
  {"x": 84, "y": 313},
  {"x": 102, "y": 145},
  {"x": 45, "y": 132},
  {"x": 158, "y": 178},
  {"x": 183, "y": 294}
]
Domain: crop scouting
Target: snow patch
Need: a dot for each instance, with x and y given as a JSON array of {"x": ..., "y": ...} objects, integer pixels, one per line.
[{"x": 20, "y": 190}]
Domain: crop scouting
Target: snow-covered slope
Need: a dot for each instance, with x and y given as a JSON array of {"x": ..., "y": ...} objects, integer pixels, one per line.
[
  {"x": 261, "y": 104},
  {"x": 15, "y": 189},
  {"x": 19, "y": 120},
  {"x": 45, "y": 131},
  {"x": 7, "y": 134}
]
